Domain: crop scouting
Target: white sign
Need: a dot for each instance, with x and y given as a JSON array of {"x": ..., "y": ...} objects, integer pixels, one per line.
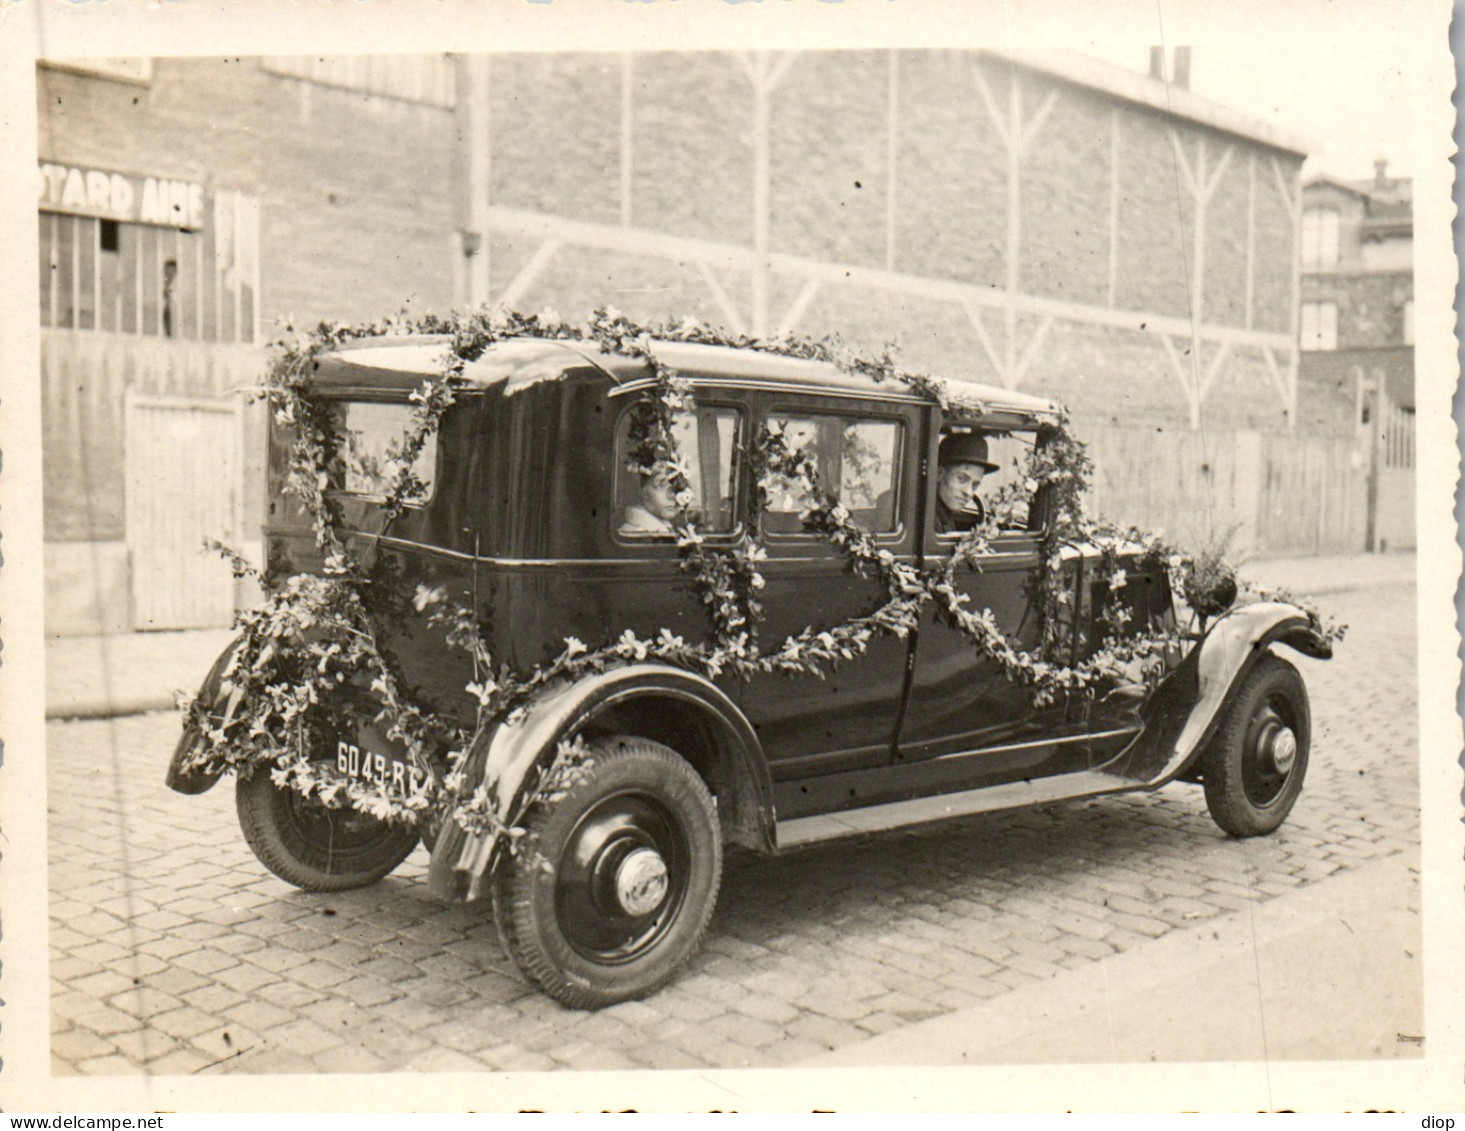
[{"x": 118, "y": 196}]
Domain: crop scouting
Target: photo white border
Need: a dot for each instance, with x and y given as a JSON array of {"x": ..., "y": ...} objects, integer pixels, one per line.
[{"x": 60, "y": 28}]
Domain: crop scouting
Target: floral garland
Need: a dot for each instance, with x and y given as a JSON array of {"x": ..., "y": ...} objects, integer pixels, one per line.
[{"x": 316, "y": 636}]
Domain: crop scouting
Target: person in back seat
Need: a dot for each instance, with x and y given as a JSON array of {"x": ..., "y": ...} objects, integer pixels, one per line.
[{"x": 654, "y": 509}]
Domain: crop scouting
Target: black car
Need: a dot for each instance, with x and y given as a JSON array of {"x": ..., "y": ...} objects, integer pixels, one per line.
[{"x": 758, "y": 626}]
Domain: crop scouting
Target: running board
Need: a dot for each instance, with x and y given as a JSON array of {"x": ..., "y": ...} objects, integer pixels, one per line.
[{"x": 923, "y": 810}]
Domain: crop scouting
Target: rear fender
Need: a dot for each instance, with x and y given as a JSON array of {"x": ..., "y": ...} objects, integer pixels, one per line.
[
  {"x": 510, "y": 760},
  {"x": 220, "y": 706},
  {"x": 1186, "y": 709}
]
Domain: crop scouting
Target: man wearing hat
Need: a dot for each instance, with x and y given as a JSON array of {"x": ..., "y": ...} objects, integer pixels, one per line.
[{"x": 962, "y": 460}]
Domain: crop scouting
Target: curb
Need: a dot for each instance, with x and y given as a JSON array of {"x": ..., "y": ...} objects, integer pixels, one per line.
[
  {"x": 108, "y": 709},
  {"x": 1350, "y": 586}
]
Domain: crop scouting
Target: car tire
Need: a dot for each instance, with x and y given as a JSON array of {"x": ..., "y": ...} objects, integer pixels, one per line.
[
  {"x": 608, "y": 892},
  {"x": 1254, "y": 768},
  {"x": 314, "y": 847}
]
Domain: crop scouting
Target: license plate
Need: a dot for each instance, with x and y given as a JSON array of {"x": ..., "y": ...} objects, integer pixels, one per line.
[{"x": 394, "y": 773}]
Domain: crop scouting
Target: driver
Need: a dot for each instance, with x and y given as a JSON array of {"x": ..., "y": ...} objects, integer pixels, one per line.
[{"x": 963, "y": 463}]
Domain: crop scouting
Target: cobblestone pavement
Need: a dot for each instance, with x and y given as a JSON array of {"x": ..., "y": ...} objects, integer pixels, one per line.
[{"x": 174, "y": 952}]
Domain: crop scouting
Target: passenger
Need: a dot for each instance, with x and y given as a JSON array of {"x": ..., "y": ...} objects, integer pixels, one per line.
[
  {"x": 655, "y": 508},
  {"x": 963, "y": 463}
]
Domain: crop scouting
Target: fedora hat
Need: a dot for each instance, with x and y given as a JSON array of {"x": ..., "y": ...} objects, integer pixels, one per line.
[{"x": 965, "y": 447}]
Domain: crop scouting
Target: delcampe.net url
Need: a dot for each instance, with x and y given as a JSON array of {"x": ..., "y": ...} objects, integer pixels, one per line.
[{"x": 87, "y": 1122}]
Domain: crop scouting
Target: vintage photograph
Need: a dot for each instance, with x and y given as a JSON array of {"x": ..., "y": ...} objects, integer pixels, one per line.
[{"x": 827, "y": 552}]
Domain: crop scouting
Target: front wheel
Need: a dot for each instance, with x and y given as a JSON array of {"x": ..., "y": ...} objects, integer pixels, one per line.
[
  {"x": 1254, "y": 769},
  {"x": 314, "y": 847},
  {"x": 608, "y": 892}
]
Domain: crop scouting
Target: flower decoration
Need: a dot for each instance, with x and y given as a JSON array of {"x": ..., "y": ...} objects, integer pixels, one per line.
[{"x": 317, "y": 633}]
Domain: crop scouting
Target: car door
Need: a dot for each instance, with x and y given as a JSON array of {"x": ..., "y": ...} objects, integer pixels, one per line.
[
  {"x": 809, "y": 726},
  {"x": 965, "y": 720},
  {"x": 575, "y": 552}
]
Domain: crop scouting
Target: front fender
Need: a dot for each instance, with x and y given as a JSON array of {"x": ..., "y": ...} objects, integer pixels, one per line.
[
  {"x": 1185, "y": 710},
  {"x": 510, "y": 760},
  {"x": 220, "y": 707}
]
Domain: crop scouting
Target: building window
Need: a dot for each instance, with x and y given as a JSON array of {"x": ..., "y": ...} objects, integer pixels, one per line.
[
  {"x": 1409, "y": 322},
  {"x": 1319, "y": 329},
  {"x": 1320, "y": 237},
  {"x": 119, "y": 277}
]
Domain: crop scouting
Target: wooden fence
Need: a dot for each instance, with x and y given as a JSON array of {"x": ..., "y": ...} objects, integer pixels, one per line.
[
  {"x": 85, "y": 377},
  {"x": 1271, "y": 493}
]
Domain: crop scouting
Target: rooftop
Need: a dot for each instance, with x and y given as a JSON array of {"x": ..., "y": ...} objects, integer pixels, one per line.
[
  {"x": 1388, "y": 202},
  {"x": 405, "y": 361},
  {"x": 1153, "y": 93}
]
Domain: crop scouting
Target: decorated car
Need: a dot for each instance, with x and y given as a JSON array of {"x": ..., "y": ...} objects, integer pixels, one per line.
[{"x": 580, "y": 606}]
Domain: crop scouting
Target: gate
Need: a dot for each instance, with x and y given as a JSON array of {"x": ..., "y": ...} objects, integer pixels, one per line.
[
  {"x": 184, "y": 484},
  {"x": 1391, "y": 481}
]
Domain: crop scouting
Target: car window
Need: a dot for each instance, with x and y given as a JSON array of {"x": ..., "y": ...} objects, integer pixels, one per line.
[
  {"x": 854, "y": 459},
  {"x": 371, "y": 434},
  {"x": 707, "y": 441}
]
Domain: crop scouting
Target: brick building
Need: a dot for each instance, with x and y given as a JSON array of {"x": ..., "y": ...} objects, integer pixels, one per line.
[
  {"x": 1025, "y": 220},
  {"x": 1356, "y": 319},
  {"x": 1356, "y": 328}
]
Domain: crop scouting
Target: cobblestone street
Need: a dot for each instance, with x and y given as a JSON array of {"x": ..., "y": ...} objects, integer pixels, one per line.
[{"x": 174, "y": 952}]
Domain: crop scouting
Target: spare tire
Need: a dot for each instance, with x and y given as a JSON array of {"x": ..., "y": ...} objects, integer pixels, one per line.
[{"x": 314, "y": 847}]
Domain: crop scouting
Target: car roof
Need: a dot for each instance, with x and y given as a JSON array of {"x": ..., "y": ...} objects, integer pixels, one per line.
[{"x": 404, "y": 361}]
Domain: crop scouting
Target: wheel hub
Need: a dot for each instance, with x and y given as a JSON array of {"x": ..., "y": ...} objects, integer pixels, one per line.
[
  {"x": 621, "y": 878},
  {"x": 641, "y": 881},
  {"x": 1281, "y": 749}
]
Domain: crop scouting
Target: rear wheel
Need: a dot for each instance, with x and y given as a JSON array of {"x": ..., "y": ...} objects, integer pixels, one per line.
[
  {"x": 311, "y": 846},
  {"x": 609, "y": 891},
  {"x": 1254, "y": 769}
]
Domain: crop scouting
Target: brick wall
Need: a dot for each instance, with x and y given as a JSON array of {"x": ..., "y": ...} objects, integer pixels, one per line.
[
  {"x": 830, "y": 136},
  {"x": 693, "y": 146},
  {"x": 1127, "y": 378},
  {"x": 356, "y": 192},
  {"x": 1328, "y": 384},
  {"x": 1065, "y": 188},
  {"x": 1153, "y": 221},
  {"x": 555, "y": 125},
  {"x": 1225, "y": 243},
  {"x": 1370, "y": 306},
  {"x": 358, "y": 213},
  {"x": 950, "y": 166},
  {"x": 1275, "y": 239},
  {"x": 828, "y": 166}
]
